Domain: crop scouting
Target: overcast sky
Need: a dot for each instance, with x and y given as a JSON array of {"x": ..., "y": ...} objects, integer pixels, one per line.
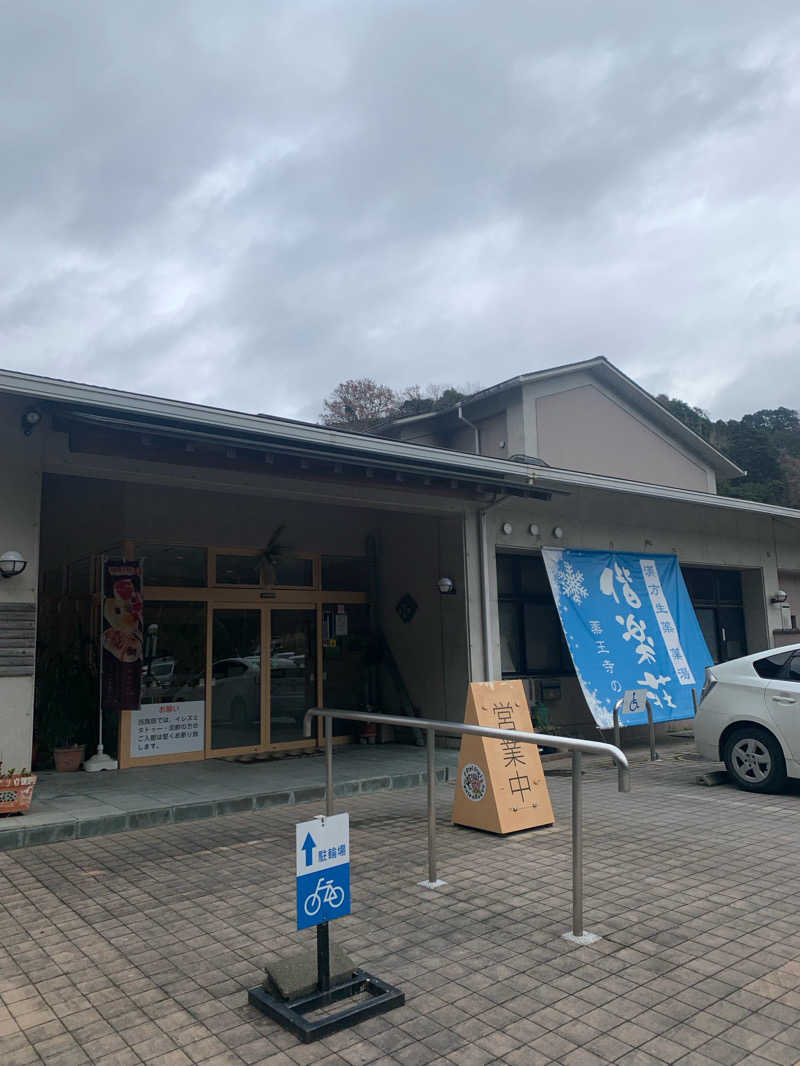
[{"x": 244, "y": 203}]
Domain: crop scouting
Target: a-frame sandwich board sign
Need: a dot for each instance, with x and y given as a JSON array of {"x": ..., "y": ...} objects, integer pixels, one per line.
[{"x": 500, "y": 785}]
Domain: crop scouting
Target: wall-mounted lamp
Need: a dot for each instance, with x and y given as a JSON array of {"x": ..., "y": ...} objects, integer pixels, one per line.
[
  {"x": 507, "y": 528},
  {"x": 780, "y": 597},
  {"x": 533, "y": 529},
  {"x": 30, "y": 420},
  {"x": 558, "y": 532},
  {"x": 12, "y": 564},
  {"x": 446, "y": 586}
]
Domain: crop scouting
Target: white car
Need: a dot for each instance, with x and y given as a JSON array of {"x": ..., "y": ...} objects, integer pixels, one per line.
[{"x": 749, "y": 717}]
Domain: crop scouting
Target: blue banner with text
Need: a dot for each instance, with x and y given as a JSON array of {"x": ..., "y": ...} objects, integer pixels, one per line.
[{"x": 629, "y": 624}]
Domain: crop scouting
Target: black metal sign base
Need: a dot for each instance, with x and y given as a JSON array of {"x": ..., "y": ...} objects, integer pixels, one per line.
[{"x": 292, "y": 1014}]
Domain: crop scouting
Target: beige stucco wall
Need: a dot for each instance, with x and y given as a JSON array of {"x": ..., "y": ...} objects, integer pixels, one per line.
[
  {"x": 20, "y": 482},
  {"x": 585, "y": 429}
]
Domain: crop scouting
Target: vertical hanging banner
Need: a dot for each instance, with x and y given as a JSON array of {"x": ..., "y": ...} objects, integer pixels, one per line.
[
  {"x": 629, "y": 624},
  {"x": 500, "y": 785},
  {"x": 121, "y": 636}
]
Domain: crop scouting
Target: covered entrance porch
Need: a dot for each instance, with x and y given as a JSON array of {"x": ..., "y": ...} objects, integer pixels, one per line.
[{"x": 256, "y": 606}]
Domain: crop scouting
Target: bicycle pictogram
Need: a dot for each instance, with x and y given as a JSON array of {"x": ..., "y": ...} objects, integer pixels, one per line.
[{"x": 325, "y": 892}]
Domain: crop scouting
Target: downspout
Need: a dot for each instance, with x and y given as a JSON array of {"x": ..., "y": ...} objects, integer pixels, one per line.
[
  {"x": 472, "y": 426},
  {"x": 484, "y": 558}
]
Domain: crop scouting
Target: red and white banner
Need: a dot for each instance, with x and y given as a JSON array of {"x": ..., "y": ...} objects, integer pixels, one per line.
[{"x": 121, "y": 634}]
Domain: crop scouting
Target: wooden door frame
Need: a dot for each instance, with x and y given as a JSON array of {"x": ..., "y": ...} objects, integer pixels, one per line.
[
  {"x": 265, "y": 744},
  {"x": 243, "y": 597}
]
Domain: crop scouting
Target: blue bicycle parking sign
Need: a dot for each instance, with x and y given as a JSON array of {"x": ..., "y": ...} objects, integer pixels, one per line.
[{"x": 322, "y": 850}]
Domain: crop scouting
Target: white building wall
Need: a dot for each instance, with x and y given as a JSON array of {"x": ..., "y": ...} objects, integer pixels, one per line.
[{"x": 20, "y": 486}]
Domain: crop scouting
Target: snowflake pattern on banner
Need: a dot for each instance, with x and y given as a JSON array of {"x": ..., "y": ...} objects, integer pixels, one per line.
[{"x": 571, "y": 583}]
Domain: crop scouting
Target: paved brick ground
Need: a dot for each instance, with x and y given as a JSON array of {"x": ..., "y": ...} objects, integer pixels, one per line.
[{"x": 139, "y": 947}]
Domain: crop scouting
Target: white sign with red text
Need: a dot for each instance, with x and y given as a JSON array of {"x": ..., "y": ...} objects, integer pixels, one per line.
[{"x": 168, "y": 728}]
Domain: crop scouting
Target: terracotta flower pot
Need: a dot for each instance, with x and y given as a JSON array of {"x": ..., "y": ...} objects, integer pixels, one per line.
[
  {"x": 68, "y": 760},
  {"x": 16, "y": 792}
]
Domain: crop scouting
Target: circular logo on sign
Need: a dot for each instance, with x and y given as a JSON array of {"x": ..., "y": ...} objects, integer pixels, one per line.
[{"x": 473, "y": 782}]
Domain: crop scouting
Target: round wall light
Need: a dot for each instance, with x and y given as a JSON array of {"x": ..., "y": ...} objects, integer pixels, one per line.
[
  {"x": 446, "y": 586},
  {"x": 507, "y": 528},
  {"x": 30, "y": 420},
  {"x": 12, "y": 564},
  {"x": 558, "y": 532},
  {"x": 533, "y": 529}
]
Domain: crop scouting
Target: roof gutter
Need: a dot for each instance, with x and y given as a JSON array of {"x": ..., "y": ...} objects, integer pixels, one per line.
[{"x": 660, "y": 492}]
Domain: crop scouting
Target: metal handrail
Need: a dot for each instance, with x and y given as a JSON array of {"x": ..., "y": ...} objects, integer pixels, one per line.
[
  {"x": 654, "y": 756},
  {"x": 432, "y": 727}
]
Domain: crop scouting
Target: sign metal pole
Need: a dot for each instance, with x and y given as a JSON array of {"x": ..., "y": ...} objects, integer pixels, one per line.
[{"x": 323, "y": 957}]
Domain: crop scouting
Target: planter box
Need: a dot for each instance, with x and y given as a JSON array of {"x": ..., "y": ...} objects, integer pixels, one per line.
[
  {"x": 68, "y": 760},
  {"x": 16, "y": 793}
]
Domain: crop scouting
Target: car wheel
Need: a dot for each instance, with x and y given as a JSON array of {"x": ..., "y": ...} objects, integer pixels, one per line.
[{"x": 754, "y": 759}]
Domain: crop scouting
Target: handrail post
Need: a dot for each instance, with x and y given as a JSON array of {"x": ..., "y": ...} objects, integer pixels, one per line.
[
  {"x": 433, "y": 881},
  {"x": 617, "y": 706},
  {"x": 328, "y": 766},
  {"x": 577, "y": 846},
  {"x": 652, "y": 729},
  {"x": 577, "y": 935},
  {"x": 431, "y": 805}
]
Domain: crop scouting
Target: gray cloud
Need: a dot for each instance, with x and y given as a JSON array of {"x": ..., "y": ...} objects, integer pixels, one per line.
[{"x": 243, "y": 204}]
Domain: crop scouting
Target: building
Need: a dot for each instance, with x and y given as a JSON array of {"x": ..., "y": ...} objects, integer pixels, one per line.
[{"x": 352, "y": 613}]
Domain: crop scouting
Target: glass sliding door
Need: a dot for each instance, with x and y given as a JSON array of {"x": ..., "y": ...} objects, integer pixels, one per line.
[
  {"x": 293, "y": 671},
  {"x": 236, "y": 684}
]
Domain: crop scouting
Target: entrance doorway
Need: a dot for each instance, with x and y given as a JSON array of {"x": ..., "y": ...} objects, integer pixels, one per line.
[
  {"x": 227, "y": 674},
  {"x": 718, "y": 603},
  {"x": 235, "y": 711},
  {"x": 257, "y": 698},
  {"x": 293, "y": 671}
]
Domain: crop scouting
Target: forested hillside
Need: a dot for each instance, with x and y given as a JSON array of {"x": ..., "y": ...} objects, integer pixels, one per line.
[{"x": 765, "y": 444}]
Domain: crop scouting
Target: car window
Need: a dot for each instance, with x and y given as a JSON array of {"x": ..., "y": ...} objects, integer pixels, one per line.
[
  {"x": 226, "y": 668},
  {"x": 793, "y": 673},
  {"x": 771, "y": 666}
]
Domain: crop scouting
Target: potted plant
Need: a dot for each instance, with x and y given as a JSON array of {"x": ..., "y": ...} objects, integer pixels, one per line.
[
  {"x": 272, "y": 555},
  {"x": 66, "y": 709},
  {"x": 16, "y": 790}
]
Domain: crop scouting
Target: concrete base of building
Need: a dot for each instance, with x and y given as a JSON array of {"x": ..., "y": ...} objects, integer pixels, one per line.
[{"x": 76, "y": 806}]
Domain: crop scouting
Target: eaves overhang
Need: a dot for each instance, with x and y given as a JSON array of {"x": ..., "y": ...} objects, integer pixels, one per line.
[
  {"x": 146, "y": 414},
  {"x": 73, "y": 403}
]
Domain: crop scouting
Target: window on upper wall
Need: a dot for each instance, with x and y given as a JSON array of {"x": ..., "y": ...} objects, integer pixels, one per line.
[
  {"x": 172, "y": 566},
  {"x": 295, "y": 572},
  {"x": 531, "y": 638},
  {"x": 239, "y": 569},
  {"x": 344, "y": 573}
]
